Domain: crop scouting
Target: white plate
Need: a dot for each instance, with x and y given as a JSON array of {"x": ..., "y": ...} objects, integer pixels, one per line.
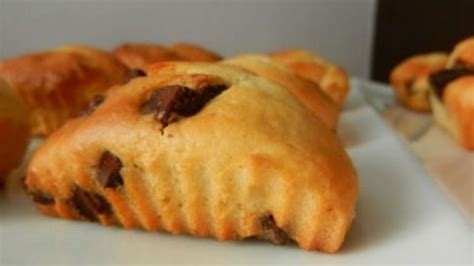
[{"x": 402, "y": 217}]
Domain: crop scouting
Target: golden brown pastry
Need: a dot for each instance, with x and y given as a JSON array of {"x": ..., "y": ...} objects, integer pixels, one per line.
[
  {"x": 463, "y": 54},
  {"x": 204, "y": 149},
  {"x": 453, "y": 109},
  {"x": 56, "y": 85},
  {"x": 13, "y": 132},
  {"x": 141, "y": 55},
  {"x": 410, "y": 79},
  {"x": 307, "y": 92},
  {"x": 452, "y": 94},
  {"x": 332, "y": 79},
  {"x": 192, "y": 52}
]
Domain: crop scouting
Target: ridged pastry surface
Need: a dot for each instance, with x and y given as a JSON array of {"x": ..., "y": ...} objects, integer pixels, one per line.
[
  {"x": 56, "y": 85},
  {"x": 252, "y": 161}
]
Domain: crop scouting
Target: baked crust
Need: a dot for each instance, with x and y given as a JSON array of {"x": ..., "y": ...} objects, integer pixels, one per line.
[
  {"x": 141, "y": 55},
  {"x": 332, "y": 79},
  {"x": 410, "y": 79},
  {"x": 192, "y": 52},
  {"x": 307, "y": 92},
  {"x": 13, "y": 132},
  {"x": 455, "y": 111},
  {"x": 252, "y": 162},
  {"x": 56, "y": 85},
  {"x": 463, "y": 54}
]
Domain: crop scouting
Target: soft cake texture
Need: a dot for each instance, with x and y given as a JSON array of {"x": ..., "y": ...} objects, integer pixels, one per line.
[
  {"x": 307, "y": 92},
  {"x": 253, "y": 162}
]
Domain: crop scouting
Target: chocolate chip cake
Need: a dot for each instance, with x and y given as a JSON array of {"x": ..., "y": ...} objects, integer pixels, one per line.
[{"x": 204, "y": 149}]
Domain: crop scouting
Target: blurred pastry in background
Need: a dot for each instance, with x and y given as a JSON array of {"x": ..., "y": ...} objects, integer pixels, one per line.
[
  {"x": 452, "y": 94},
  {"x": 57, "y": 84},
  {"x": 192, "y": 52},
  {"x": 14, "y": 132},
  {"x": 332, "y": 79},
  {"x": 410, "y": 79},
  {"x": 462, "y": 55},
  {"x": 309, "y": 93},
  {"x": 453, "y": 109},
  {"x": 141, "y": 55}
]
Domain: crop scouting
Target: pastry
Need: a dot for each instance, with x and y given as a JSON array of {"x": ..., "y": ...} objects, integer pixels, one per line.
[
  {"x": 56, "y": 85},
  {"x": 141, "y": 55},
  {"x": 452, "y": 94},
  {"x": 192, "y": 52},
  {"x": 463, "y": 54},
  {"x": 307, "y": 92},
  {"x": 331, "y": 78},
  {"x": 410, "y": 79},
  {"x": 13, "y": 132},
  {"x": 453, "y": 109},
  {"x": 204, "y": 149}
]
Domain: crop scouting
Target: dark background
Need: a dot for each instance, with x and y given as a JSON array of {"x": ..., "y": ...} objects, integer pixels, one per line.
[{"x": 408, "y": 27}]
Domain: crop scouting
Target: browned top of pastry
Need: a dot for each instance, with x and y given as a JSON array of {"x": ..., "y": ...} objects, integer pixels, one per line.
[
  {"x": 66, "y": 69},
  {"x": 331, "y": 78},
  {"x": 59, "y": 82},
  {"x": 463, "y": 54},
  {"x": 141, "y": 55},
  {"x": 192, "y": 52}
]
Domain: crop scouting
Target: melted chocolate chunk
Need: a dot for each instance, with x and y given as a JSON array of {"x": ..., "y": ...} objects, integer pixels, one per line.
[
  {"x": 440, "y": 79},
  {"x": 270, "y": 231},
  {"x": 93, "y": 104},
  {"x": 109, "y": 171},
  {"x": 135, "y": 73},
  {"x": 88, "y": 204},
  {"x": 169, "y": 102},
  {"x": 42, "y": 197}
]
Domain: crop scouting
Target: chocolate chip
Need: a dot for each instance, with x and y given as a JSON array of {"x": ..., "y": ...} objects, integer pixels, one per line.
[
  {"x": 270, "y": 231},
  {"x": 440, "y": 79},
  {"x": 42, "y": 198},
  {"x": 170, "y": 102},
  {"x": 93, "y": 104},
  {"x": 88, "y": 204},
  {"x": 135, "y": 73},
  {"x": 109, "y": 171}
]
